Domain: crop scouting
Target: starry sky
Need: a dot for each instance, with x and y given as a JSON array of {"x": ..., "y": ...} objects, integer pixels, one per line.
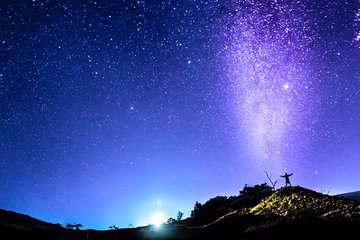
[{"x": 113, "y": 111}]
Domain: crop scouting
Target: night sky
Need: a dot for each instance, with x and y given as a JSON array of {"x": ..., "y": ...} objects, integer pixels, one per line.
[{"x": 112, "y": 111}]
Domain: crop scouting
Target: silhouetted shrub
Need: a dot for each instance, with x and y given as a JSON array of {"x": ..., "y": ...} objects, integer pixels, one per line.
[
  {"x": 210, "y": 211},
  {"x": 171, "y": 220},
  {"x": 197, "y": 208},
  {"x": 219, "y": 206},
  {"x": 256, "y": 193},
  {"x": 75, "y": 226}
]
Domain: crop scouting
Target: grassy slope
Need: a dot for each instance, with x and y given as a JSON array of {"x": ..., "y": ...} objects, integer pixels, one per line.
[
  {"x": 289, "y": 211},
  {"x": 296, "y": 202}
]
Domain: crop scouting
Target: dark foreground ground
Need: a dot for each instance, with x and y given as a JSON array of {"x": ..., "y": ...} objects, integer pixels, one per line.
[{"x": 302, "y": 230}]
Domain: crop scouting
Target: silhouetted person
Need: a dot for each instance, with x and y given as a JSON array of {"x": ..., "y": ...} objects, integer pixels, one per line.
[{"x": 287, "y": 180}]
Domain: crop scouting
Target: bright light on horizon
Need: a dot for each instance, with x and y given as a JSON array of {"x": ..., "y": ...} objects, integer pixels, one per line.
[{"x": 157, "y": 219}]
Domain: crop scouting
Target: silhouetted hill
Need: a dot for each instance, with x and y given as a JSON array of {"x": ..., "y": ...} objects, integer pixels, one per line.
[
  {"x": 15, "y": 220},
  {"x": 288, "y": 211},
  {"x": 350, "y": 195},
  {"x": 257, "y": 213}
]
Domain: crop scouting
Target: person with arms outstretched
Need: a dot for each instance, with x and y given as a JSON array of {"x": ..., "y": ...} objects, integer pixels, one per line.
[{"x": 287, "y": 180}]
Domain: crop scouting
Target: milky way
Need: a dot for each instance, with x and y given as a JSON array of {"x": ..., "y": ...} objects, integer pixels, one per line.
[{"x": 271, "y": 62}]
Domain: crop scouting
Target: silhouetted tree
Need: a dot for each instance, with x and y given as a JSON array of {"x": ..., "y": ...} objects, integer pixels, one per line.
[
  {"x": 113, "y": 227},
  {"x": 262, "y": 189},
  {"x": 70, "y": 226},
  {"x": 210, "y": 211},
  {"x": 78, "y": 226},
  {"x": 75, "y": 226},
  {"x": 179, "y": 216},
  {"x": 170, "y": 220},
  {"x": 273, "y": 183},
  {"x": 196, "y": 210},
  {"x": 250, "y": 196}
]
